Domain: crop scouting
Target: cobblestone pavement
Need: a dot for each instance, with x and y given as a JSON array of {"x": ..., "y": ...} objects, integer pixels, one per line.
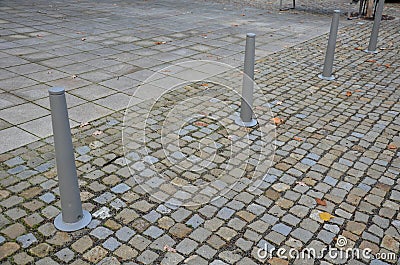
[
  {"x": 101, "y": 51},
  {"x": 334, "y": 174},
  {"x": 310, "y": 6}
]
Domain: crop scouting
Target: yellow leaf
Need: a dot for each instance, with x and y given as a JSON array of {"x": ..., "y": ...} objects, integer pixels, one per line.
[{"x": 326, "y": 216}]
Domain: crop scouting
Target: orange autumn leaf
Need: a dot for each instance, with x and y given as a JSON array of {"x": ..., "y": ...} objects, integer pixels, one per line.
[
  {"x": 359, "y": 48},
  {"x": 348, "y": 93},
  {"x": 326, "y": 216},
  {"x": 205, "y": 84},
  {"x": 387, "y": 65},
  {"x": 277, "y": 120},
  {"x": 320, "y": 202},
  {"x": 371, "y": 60},
  {"x": 200, "y": 123},
  {"x": 297, "y": 139},
  {"x": 392, "y": 146}
]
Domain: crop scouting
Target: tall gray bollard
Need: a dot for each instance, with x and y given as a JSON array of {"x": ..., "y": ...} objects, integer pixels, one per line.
[
  {"x": 375, "y": 28},
  {"x": 330, "y": 51},
  {"x": 72, "y": 217},
  {"x": 246, "y": 107}
]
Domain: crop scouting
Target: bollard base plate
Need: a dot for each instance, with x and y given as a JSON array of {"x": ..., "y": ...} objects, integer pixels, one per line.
[
  {"x": 372, "y": 52},
  {"x": 329, "y": 78},
  {"x": 251, "y": 123},
  {"x": 69, "y": 227}
]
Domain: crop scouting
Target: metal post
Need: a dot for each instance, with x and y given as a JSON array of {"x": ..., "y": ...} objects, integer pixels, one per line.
[
  {"x": 375, "y": 28},
  {"x": 246, "y": 111},
  {"x": 330, "y": 51},
  {"x": 72, "y": 217}
]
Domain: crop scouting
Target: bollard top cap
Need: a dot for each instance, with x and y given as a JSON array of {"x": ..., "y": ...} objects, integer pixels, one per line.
[
  {"x": 56, "y": 91},
  {"x": 251, "y": 35}
]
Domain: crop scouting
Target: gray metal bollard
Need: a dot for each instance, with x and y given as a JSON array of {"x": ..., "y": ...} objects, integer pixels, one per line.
[
  {"x": 375, "y": 28},
  {"x": 72, "y": 217},
  {"x": 246, "y": 111},
  {"x": 330, "y": 51}
]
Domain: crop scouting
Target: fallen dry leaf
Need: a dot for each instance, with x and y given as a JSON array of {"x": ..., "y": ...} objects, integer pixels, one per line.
[
  {"x": 301, "y": 183},
  {"x": 277, "y": 120},
  {"x": 371, "y": 61},
  {"x": 387, "y": 65},
  {"x": 83, "y": 124},
  {"x": 97, "y": 132},
  {"x": 320, "y": 202},
  {"x": 358, "y": 90},
  {"x": 392, "y": 146},
  {"x": 200, "y": 123},
  {"x": 348, "y": 93},
  {"x": 326, "y": 216},
  {"x": 359, "y": 48},
  {"x": 204, "y": 84},
  {"x": 169, "y": 249},
  {"x": 159, "y": 42},
  {"x": 297, "y": 139}
]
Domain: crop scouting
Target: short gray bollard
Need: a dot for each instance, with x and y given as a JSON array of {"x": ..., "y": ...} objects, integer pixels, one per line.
[
  {"x": 246, "y": 112},
  {"x": 72, "y": 217},
  {"x": 330, "y": 51},
  {"x": 375, "y": 28}
]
